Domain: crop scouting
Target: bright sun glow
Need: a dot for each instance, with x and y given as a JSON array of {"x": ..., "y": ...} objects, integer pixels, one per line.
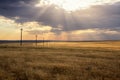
[{"x": 73, "y": 5}]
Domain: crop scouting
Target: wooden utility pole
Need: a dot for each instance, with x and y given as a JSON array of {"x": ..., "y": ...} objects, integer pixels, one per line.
[
  {"x": 36, "y": 40},
  {"x": 43, "y": 40},
  {"x": 21, "y": 37}
]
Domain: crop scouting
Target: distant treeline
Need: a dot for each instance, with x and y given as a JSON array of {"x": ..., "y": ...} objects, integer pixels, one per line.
[{"x": 27, "y": 41}]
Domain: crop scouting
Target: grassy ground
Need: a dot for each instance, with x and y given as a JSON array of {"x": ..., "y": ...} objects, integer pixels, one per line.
[{"x": 60, "y": 61}]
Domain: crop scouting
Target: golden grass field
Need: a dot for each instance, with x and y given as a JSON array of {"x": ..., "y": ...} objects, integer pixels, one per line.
[{"x": 60, "y": 61}]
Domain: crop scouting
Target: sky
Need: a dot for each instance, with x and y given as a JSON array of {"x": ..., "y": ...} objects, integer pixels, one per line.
[{"x": 60, "y": 19}]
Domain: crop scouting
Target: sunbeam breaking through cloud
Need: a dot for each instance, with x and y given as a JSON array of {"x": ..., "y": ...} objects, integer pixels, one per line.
[{"x": 84, "y": 20}]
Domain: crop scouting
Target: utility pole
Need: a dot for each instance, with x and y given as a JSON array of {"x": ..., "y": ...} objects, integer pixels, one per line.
[
  {"x": 36, "y": 40},
  {"x": 21, "y": 37},
  {"x": 43, "y": 40},
  {"x": 47, "y": 39}
]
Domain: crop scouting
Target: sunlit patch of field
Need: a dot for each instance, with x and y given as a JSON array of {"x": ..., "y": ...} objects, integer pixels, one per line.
[
  {"x": 60, "y": 61},
  {"x": 85, "y": 44}
]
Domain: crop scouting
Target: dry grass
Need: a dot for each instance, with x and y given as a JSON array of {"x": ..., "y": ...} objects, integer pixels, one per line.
[{"x": 60, "y": 61}]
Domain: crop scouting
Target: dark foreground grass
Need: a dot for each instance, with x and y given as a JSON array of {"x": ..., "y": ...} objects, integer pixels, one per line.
[{"x": 53, "y": 63}]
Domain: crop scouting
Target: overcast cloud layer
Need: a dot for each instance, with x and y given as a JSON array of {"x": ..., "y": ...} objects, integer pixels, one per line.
[{"x": 100, "y": 17}]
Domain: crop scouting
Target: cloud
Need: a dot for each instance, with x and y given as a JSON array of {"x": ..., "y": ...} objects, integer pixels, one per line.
[
  {"x": 11, "y": 28},
  {"x": 99, "y": 16},
  {"x": 94, "y": 34},
  {"x": 102, "y": 17},
  {"x": 32, "y": 28}
]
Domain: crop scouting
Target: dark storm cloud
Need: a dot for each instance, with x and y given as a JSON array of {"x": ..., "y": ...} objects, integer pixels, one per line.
[
  {"x": 102, "y": 16},
  {"x": 12, "y": 8}
]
